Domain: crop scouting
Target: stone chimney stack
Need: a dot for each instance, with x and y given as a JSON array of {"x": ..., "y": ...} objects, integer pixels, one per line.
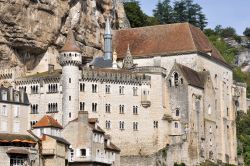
[{"x": 83, "y": 116}]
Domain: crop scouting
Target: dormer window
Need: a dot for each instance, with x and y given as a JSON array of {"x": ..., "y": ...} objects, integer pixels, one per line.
[{"x": 4, "y": 95}]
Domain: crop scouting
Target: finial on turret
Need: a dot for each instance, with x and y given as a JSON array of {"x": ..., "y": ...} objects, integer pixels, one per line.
[
  {"x": 70, "y": 44},
  {"x": 128, "y": 60}
]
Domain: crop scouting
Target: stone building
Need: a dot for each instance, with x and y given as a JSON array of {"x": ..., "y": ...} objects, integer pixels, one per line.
[
  {"x": 164, "y": 88},
  {"x": 89, "y": 145},
  {"x": 53, "y": 148}
]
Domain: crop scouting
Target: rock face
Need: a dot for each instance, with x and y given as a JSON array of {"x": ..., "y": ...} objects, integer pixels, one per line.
[{"x": 30, "y": 28}]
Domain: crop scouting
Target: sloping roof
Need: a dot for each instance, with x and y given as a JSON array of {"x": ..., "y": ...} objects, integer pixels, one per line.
[
  {"x": 59, "y": 139},
  {"x": 18, "y": 150},
  {"x": 169, "y": 39},
  {"x": 6, "y": 137},
  {"x": 112, "y": 147},
  {"x": 70, "y": 44},
  {"x": 193, "y": 77},
  {"x": 47, "y": 121}
]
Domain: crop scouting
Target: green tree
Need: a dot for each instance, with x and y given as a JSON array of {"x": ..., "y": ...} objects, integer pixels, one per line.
[
  {"x": 228, "y": 32},
  {"x": 163, "y": 12},
  {"x": 134, "y": 13},
  {"x": 247, "y": 32},
  {"x": 187, "y": 11}
]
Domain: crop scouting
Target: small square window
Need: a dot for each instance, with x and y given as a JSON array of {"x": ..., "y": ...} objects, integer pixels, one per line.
[{"x": 83, "y": 152}]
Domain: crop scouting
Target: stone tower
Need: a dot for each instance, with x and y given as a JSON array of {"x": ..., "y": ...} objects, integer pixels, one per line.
[
  {"x": 70, "y": 60},
  {"x": 107, "y": 41}
]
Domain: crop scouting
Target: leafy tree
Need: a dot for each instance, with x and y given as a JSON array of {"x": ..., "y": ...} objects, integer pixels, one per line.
[
  {"x": 136, "y": 16},
  {"x": 247, "y": 32},
  {"x": 163, "y": 12},
  {"x": 134, "y": 13},
  {"x": 187, "y": 11},
  {"x": 228, "y": 32}
]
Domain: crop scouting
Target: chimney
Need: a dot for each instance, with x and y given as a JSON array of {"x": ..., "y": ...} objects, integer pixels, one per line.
[
  {"x": 51, "y": 68},
  {"x": 83, "y": 116}
]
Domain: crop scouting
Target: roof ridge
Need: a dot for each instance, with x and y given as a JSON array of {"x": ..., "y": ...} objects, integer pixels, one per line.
[{"x": 192, "y": 37}]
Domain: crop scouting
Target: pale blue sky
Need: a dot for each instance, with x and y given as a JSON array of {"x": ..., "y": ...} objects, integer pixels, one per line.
[{"x": 233, "y": 13}]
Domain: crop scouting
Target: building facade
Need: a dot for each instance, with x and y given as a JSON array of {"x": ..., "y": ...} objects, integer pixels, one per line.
[{"x": 165, "y": 88}]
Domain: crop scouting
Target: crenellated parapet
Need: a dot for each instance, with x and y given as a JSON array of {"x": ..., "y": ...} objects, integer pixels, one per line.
[
  {"x": 70, "y": 58},
  {"x": 115, "y": 76}
]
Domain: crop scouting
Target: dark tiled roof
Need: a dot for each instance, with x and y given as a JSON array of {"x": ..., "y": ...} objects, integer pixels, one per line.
[
  {"x": 70, "y": 44},
  {"x": 6, "y": 137},
  {"x": 59, "y": 139},
  {"x": 47, "y": 121},
  {"x": 112, "y": 147},
  {"x": 193, "y": 77},
  {"x": 99, "y": 62},
  {"x": 169, "y": 39}
]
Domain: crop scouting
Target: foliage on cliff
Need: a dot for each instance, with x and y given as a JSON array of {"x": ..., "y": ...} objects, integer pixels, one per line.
[{"x": 243, "y": 135}]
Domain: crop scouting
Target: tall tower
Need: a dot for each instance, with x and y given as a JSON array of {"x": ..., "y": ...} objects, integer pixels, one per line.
[
  {"x": 70, "y": 59},
  {"x": 107, "y": 41}
]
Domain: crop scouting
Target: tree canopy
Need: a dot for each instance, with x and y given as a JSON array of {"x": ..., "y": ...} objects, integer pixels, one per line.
[{"x": 247, "y": 32}]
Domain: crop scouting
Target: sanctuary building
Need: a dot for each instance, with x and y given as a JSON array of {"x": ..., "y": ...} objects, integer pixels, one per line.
[{"x": 158, "y": 88}]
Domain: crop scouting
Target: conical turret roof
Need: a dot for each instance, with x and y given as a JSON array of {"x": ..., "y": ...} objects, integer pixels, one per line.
[{"x": 70, "y": 44}]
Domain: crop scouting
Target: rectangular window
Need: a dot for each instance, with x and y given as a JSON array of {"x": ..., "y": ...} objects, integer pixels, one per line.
[
  {"x": 94, "y": 88},
  {"x": 32, "y": 123},
  {"x": 121, "y": 90},
  {"x": 135, "y": 126},
  {"x": 107, "y": 89},
  {"x": 52, "y": 88},
  {"x": 69, "y": 98},
  {"x": 155, "y": 124},
  {"x": 108, "y": 124},
  {"x": 16, "y": 111},
  {"x": 94, "y": 107},
  {"x": 82, "y": 87},
  {"x": 135, "y": 110},
  {"x": 121, "y": 108},
  {"x": 69, "y": 80},
  {"x": 82, "y": 106},
  {"x": 52, "y": 108},
  {"x": 107, "y": 108},
  {"x": 4, "y": 110},
  {"x": 121, "y": 125},
  {"x": 83, "y": 152},
  {"x": 135, "y": 89},
  {"x": 4, "y": 95}
]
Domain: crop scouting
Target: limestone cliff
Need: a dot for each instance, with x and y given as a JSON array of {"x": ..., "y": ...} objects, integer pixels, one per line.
[{"x": 31, "y": 28}]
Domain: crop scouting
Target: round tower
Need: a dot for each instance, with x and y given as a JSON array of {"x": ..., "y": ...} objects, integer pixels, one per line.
[{"x": 70, "y": 59}]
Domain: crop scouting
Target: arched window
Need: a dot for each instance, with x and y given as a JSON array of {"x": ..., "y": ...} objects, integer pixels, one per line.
[
  {"x": 176, "y": 79},
  {"x": 170, "y": 83},
  {"x": 177, "y": 112}
]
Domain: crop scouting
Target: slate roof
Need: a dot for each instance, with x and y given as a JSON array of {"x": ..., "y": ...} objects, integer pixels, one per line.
[
  {"x": 47, "y": 121},
  {"x": 193, "y": 77},
  {"x": 70, "y": 44},
  {"x": 99, "y": 62},
  {"x": 166, "y": 40}
]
